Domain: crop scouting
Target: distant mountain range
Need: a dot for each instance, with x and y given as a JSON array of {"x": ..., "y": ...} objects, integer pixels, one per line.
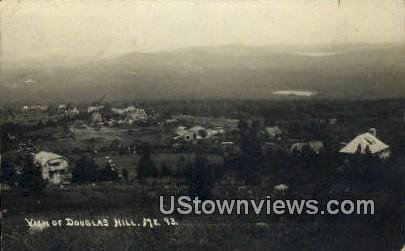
[{"x": 233, "y": 72}]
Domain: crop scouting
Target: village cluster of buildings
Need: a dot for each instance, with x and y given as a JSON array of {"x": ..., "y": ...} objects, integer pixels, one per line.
[
  {"x": 129, "y": 115},
  {"x": 55, "y": 169},
  {"x": 196, "y": 133},
  {"x": 61, "y": 109},
  {"x": 34, "y": 108},
  {"x": 68, "y": 112}
]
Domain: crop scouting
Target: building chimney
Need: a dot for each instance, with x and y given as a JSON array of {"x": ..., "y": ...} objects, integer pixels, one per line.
[{"x": 373, "y": 132}]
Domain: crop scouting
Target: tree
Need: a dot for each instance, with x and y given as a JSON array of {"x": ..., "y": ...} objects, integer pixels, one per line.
[
  {"x": 9, "y": 132},
  {"x": 146, "y": 167},
  {"x": 7, "y": 172},
  {"x": 251, "y": 149},
  {"x": 31, "y": 180},
  {"x": 85, "y": 170},
  {"x": 108, "y": 174},
  {"x": 203, "y": 133},
  {"x": 124, "y": 174},
  {"x": 249, "y": 141},
  {"x": 165, "y": 170},
  {"x": 199, "y": 177}
]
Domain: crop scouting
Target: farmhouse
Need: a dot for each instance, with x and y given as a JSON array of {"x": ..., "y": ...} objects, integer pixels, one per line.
[
  {"x": 62, "y": 107},
  {"x": 216, "y": 132},
  {"x": 199, "y": 132},
  {"x": 274, "y": 133},
  {"x": 54, "y": 168},
  {"x": 183, "y": 134},
  {"x": 367, "y": 143}
]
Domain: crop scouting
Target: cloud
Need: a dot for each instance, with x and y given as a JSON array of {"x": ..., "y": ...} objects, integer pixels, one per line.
[
  {"x": 318, "y": 54},
  {"x": 295, "y": 93},
  {"x": 30, "y": 81}
]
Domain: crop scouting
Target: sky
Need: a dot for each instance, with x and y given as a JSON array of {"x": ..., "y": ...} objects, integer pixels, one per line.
[{"x": 109, "y": 28}]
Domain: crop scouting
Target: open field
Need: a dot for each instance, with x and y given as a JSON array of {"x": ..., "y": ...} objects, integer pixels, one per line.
[
  {"x": 198, "y": 232},
  {"x": 65, "y": 139},
  {"x": 175, "y": 161}
]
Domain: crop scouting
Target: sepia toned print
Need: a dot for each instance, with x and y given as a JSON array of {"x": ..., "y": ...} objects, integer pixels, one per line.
[{"x": 202, "y": 125}]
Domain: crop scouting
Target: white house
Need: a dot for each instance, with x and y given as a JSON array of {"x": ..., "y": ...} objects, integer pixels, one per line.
[
  {"x": 183, "y": 134},
  {"x": 62, "y": 107},
  {"x": 199, "y": 132},
  {"x": 367, "y": 143},
  {"x": 273, "y": 132},
  {"x": 216, "y": 132},
  {"x": 54, "y": 168}
]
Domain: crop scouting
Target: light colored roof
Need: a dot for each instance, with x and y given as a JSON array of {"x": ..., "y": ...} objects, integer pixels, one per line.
[
  {"x": 182, "y": 132},
  {"x": 170, "y": 120},
  {"x": 196, "y": 128},
  {"x": 130, "y": 108},
  {"x": 47, "y": 155},
  {"x": 297, "y": 147},
  {"x": 281, "y": 187},
  {"x": 273, "y": 130},
  {"x": 94, "y": 108},
  {"x": 44, "y": 157},
  {"x": 124, "y": 110},
  {"x": 364, "y": 141}
]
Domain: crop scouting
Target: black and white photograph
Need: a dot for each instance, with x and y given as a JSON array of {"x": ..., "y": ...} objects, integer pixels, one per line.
[{"x": 240, "y": 125}]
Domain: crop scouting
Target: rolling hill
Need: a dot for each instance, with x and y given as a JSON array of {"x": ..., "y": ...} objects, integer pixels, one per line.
[{"x": 232, "y": 72}]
